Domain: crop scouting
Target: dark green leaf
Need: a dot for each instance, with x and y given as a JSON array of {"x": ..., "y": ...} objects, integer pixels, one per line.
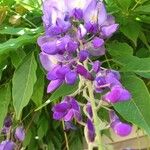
[
  {"x": 23, "y": 82},
  {"x": 64, "y": 90},
  {"x": 14, "y": 44},
  {"x": 131, "y": 30},
  {"x": 119, "y": 49},
  {"x": 143, "y": 9},
  {"x": 38, "y": 91}
]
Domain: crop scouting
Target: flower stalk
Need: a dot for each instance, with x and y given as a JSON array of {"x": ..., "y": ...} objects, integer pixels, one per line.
[{"x": 98, "y": 138}]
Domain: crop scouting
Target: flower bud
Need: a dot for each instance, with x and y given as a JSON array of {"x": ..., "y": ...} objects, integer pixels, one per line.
[{"x": 20, "y": 133}]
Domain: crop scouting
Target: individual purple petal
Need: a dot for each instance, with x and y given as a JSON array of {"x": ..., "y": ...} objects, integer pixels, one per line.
[
  {"x": 113, "y": 117},
  {"x": 72, "y": 46},
  {"x": 50, "y": 47},
  {"x": 90, "y": 14},
  {"x": 42, "y": 39},
  {"x": 77, "y": 115},
  {"x": 61, "y": 107},
  {"x": 61, "y": 72},
  {"x": 52, "y": 75},
  {"x": 78, "y": 4},
  {"x": 69, "y": 116},
  {"x": 78, "y": 13},
  {"x": 71, "y": 77},
  {"x": 109, "y": 21},
  {"x": 59, "y": 115},
  {"x": 83, "y": 72},
  {"x": 61, "y": 43},
  {"x": 47, "y": 61},
  {"x": 53, "y": 85},
  {"x": 102, "y": 14},
  {"x": 8, "y": 121},
  {"x": 107, "y": 31},
  {"x": 97, "y": 51},
  {"x": 81, "y": 31},
  {"x": 20, "y": 133},
  {"x": 117, "y": 94},
  {"x": 91, "y": 131},
  {"x": 91, "y": 27},
  {"x": 89, "y": 110},
  {"x": 112, "y": 79},
  {"x": 97, "y": 42},
  {"x": 7, "y": 145},
  {"x": 121, "y": 129},
  {"x": 83, "y": 55},
  {"x": 74, "y": 104},
  {"x": 96, "y": 66}
]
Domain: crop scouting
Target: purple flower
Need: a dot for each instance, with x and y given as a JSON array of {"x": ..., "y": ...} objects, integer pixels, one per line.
[
  {"x": 69, "y": 125},
  {"x": 88, "y": 109},
  {"x": 95, "y": 14},
  {"x": 20, "y": 133},
  {"x": 97, "y": 42},
  {"x": 78, "y": 13},
  {"x": 106, "y": 79},
  {"x": 83, "y": 72},
  {"x": 53, "y": 85},
  {"x": 54, "y": 18},
  {"x": 120, "y": 128},
  {"x": 81, "y": 31},
  {"x": 90, "y": 131},
  {"x": 83, "y": 55},
  {"x": 7, "y": 145},
  {"x": 96, "y": 66},
  {"x": 117, "y": 94},
  {"x": 7, "y": 124},
  {"x": 71, "y": 77},
  {"x": 67, "y": 110}
]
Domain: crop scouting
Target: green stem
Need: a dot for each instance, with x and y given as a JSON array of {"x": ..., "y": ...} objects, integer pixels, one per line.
[
  {"x": 66, "y": 139},
  {"x": 95, "y": 117}
]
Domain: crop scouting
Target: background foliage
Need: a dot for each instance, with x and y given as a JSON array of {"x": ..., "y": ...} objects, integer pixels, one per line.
[{"x": 22, "y": 79}]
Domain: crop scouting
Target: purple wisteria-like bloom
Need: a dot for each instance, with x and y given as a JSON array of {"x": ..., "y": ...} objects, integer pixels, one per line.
[
  {"x": 7, "y": 145},
  {"x": 20, "y": 133},
  {"x": 67, "y": 110},
  {"x": 109, "y": 80},
  {"x": 90, "y": 131},
  {"x": 120, "y": 128},
  {"x": 7, "y": 124}
]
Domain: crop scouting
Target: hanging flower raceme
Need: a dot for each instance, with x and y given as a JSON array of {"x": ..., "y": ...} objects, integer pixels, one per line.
[{"x": 75, "y": 33}]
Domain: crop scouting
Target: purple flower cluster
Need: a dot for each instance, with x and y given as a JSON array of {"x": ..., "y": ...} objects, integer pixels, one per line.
[
  {"x": 75, "y": 32},
  {"x": 67, "y": 42},
  {"x": 108, "y": 82},
  {"x": 19, "y": 135}
]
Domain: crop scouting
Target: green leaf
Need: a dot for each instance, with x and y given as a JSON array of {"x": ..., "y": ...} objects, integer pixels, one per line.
[
  {"x": 119, "y": 49},
  {"x": 124, "y": 4},
  {"x": 42, "y": 127},
  {"x": 20, "y": 31},
  {"x": 134, "y": 64},
  {"x": 23, "y": 82},
  {"x": 143, "y": 9},
  {"x": 14, "y": 44},
  {"x": 5, "y": 97},
  {"x": 136, "y": 111},
  {"x": 131, "y": 30},
  {"x": 17, "y": 57},
  {"x": 63, "y": 90},
  {"x": 38, "y": 91}
]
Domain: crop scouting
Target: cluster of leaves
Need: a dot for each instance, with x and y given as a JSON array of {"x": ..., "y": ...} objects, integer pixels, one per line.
[{"x": 22, "y": 80}]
